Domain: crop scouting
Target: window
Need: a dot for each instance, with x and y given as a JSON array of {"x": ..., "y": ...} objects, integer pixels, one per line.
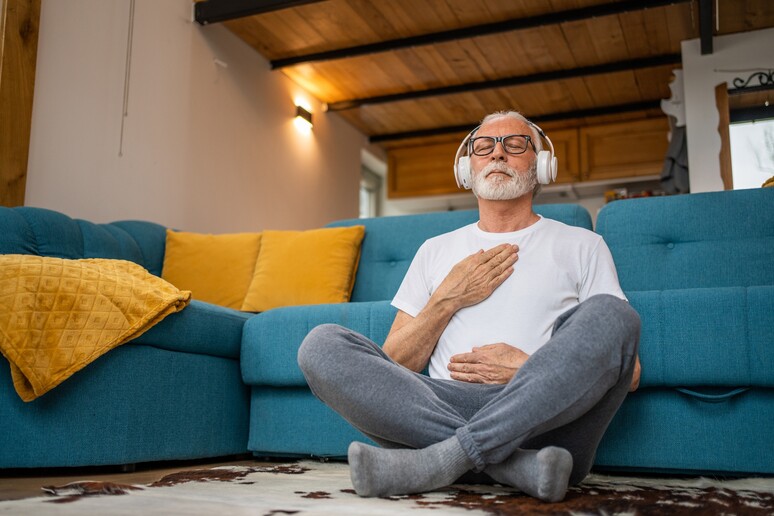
[
  {"x": 752, "y": 153},
  {"x": 370, "y": 193}
]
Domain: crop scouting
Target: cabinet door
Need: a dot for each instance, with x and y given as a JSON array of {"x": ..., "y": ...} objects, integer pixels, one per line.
[
  {"x": 422, "y": 170},
  {"x": 623, "y": 150},
  {"x": 566, "y": 149}
]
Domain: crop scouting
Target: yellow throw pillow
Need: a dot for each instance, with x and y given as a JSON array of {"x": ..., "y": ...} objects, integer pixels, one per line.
[
  {"x": 305, "y": 268},
  {"x": 215, "y": 268}
]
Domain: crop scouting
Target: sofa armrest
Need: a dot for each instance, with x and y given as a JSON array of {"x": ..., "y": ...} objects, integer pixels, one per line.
[
  {"x": 270, "y": 340},
  {"x": 713, "y": 337},
  {"x": 200, "y": 328}
]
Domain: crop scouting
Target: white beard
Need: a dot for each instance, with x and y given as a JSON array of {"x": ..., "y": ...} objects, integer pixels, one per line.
[{"x": 499, "y": 188}]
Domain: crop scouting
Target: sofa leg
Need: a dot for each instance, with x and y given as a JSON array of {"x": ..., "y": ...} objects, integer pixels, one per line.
[{"x": 128, "y": 468}]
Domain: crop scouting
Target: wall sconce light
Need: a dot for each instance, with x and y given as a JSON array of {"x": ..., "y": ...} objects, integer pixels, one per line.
[{"x": 303, "y": 119}]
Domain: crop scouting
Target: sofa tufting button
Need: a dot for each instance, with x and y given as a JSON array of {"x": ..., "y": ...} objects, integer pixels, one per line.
[
  {"x": 670, "y": 245},
  {"x": 393, "y": 263}
]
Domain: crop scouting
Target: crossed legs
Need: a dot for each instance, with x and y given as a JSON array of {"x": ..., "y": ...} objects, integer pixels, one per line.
[{"x": 537, "y": 433}]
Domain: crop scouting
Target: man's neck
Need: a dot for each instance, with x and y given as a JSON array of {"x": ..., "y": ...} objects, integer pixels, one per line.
[{"x": 506, "y": 216}]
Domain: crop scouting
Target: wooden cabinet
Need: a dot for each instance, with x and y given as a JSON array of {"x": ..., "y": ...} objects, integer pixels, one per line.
[
  {"x": 600, "y": 152},
  {"x": 567, "y": 155},
  {"x": 422, "y": 170},
  {"x": 627, "y": 149}
]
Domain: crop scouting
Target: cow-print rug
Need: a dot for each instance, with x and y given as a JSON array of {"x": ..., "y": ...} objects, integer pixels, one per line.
[{"x": 324, "y": 488}]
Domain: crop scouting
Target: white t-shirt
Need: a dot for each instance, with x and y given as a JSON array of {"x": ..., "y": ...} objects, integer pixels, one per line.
[{"x": 559, "y": 266}]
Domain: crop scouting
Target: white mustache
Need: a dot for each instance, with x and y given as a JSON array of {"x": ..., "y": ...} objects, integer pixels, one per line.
[{"x": 498, "y": 166}]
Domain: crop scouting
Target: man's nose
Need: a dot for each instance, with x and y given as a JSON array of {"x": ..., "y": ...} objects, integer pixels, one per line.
[{"x": 499, "y": 152}]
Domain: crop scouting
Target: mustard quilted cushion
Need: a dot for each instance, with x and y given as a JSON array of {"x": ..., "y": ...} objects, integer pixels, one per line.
[{"x": 57, "y": 316}]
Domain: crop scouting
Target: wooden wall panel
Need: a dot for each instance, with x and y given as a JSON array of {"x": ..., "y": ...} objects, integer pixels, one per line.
[
  {"x": 422, "y": 170},
  {"x": 18, "y": 54},
  {"x": 567, "y": 154},
  {"x": 628, "y": 149},
  {"x": 597, "y": 152}
]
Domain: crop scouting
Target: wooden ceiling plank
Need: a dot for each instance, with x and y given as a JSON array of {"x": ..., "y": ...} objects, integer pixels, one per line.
[
  {"x": 371, "y": 17},
  {"x": 736, "y": 15},
  {"x": 682, "y": 22},
  {"x": 608, "y": 41},
  {"x": 578, "y": 39},
  {"x": 583, "y": 117},
  {"x": 654, "y": 82},
  {"x": 557, "y": 47},
  {"x": 646, "y": 33},
  {"x": 579, "y": 91},
  {"x": 614, "y": 88},
  {"x": 589, "y": 12},
  {"x": 508, "y": 81}
]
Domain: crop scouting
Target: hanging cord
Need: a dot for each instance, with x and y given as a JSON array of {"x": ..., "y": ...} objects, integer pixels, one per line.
[{"x": 127, "y": 73}]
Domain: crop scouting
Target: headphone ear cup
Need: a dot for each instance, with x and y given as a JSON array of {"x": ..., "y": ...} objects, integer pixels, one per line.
[
  {"x": 545, "y": 167},
  {"x": 554, "y": 168},
  {"x": 462, "y": 172}
]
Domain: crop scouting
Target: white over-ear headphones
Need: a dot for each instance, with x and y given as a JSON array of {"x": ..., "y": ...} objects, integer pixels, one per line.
[{"x": 546, "y": 165}]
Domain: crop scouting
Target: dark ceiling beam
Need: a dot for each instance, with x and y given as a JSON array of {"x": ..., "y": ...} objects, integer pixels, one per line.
[
  {"x": 570, "y": 15},
  {"x": 213, "y": 11},
  {"x": 505, "y": 82},
  {"x": 550, "y": 117},
  {"x": 706, "y": 17}
]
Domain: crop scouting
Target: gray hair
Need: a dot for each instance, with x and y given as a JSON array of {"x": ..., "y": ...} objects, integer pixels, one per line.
[{"x": 536, "y": 139}]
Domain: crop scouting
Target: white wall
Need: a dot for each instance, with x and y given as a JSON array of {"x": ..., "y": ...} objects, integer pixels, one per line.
[
  {"x": 208, "y": 143},
  {"x": 738, "y": 53}
]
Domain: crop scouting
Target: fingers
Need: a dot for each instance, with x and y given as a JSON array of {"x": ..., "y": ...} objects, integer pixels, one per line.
[
  {"x": 469, "y": 358},
  {"x": 499, "y": 255},
  {"x": 481, "y": 376}
]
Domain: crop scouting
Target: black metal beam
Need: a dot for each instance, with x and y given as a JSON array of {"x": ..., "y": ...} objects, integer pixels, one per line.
[
  {"x": 550, "y": 117},
  {"x": 213, "y": 11},
  {"x": 478, "y": 30},
  {"x": 706, "y": 17},
  {"x": 617, "y": 66}
]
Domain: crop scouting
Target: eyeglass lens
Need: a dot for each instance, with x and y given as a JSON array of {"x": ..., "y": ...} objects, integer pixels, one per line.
[{"x": 513, "y": 144}]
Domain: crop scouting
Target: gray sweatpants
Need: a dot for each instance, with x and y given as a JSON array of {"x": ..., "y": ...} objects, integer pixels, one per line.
[{"x": 565, "y": 394}]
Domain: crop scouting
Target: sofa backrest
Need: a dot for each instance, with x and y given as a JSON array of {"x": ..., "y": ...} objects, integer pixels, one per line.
[
  {"x": 45, "y": 232},
  {"x": 717, "y": 239},
  {"x": 390, "y": 243}
]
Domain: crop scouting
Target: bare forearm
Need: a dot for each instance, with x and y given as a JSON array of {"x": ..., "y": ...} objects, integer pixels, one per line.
[
  {"x": 412, "y": 339},
  {"x": 412, "y": 343}
]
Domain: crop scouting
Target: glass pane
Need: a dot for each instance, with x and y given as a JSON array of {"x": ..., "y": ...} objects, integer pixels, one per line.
[{"x": 752, "y": 153}]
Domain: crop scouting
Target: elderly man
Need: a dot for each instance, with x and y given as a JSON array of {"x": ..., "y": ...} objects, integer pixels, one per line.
[{"x": 530, "y": 343}]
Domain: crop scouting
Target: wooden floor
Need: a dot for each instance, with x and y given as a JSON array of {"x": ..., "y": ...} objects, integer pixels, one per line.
[{"x": 22, "y": 483}]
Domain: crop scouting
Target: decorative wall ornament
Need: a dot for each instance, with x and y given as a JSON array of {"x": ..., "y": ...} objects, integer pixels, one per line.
[
  {"x": 675, "y": 105},
  {"x": 765, "y": 80}
]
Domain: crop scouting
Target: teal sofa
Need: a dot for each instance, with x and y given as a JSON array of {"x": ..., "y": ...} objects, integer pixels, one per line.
[
  {"x": 175, "y": 393},
  {"x": 698, "y": 268},
  {"x": 210, "y": 381}
]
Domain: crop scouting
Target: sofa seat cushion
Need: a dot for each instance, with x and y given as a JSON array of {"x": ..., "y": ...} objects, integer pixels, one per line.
[
  {"x": 271, "y": 340},
  {"x": 706, "y": 337},
  {"x": 201, "y": 328}
]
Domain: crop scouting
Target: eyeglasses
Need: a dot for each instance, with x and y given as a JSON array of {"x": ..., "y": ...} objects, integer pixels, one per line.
[{"x": 512, "y": 144}]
